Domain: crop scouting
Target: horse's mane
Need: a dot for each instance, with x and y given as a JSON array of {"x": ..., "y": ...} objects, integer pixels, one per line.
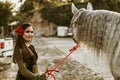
[{"x": 99, "y": 29}]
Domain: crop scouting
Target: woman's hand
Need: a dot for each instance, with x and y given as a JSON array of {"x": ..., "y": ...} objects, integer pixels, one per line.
[{"x": 42, "y": 77}]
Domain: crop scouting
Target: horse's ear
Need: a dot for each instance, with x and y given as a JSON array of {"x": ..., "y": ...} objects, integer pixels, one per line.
[
  {"x": 89, "y": 6},
  {"x": 74, "y": 9}
]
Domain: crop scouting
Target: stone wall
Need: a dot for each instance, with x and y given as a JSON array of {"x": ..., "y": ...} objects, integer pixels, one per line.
[{"x": 42, "y": 27}]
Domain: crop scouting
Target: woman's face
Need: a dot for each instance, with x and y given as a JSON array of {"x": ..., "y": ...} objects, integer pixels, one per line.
[{"x": 28, "y": 34}]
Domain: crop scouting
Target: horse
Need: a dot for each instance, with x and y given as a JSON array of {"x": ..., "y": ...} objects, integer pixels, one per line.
[{"x": 99, "y": 29}]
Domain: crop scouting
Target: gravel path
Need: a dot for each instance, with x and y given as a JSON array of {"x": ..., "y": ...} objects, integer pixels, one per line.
[{"x": 48, "y": 58}]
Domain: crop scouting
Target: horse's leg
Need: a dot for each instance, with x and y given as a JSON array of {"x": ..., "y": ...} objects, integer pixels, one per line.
[{"x": 115, "y": 62}]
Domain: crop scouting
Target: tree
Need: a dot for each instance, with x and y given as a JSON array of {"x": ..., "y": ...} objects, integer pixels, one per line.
[
  {"x": 112, "y": 5},
  {"x": 27, "y": 9},
  {"x": 24, "y": 12},
  {"x": 5, "y": 13},
  {"x": 59, "y": 12}
]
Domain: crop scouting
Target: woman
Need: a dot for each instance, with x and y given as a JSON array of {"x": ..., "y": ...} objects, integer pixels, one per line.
[{"x": 25, "y": 55}]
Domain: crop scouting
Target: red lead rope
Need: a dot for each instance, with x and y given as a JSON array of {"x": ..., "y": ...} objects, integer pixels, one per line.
[{"x": 49, "y": 72}]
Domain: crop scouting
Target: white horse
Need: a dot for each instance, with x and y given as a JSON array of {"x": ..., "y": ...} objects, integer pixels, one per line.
[{"x": 99, "y": 29}]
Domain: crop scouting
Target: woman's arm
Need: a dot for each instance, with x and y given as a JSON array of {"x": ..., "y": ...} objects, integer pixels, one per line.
[{"x": 35, "y": 68}]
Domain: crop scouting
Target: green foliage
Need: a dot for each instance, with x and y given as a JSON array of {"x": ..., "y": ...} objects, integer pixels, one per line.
[
  {"x": 5, "y": 13},
  {"x": 20, "y": 0},
  {"x": 106, "y": 4},
  {"x": 60, "y": 15},
  {"x": 24, "y": 13},
  {"x": 27, "y": 7},
  {"x": 21, "y": 18}
]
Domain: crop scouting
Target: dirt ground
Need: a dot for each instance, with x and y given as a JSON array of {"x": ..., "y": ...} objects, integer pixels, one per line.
[{"x": 49, "y": 56}]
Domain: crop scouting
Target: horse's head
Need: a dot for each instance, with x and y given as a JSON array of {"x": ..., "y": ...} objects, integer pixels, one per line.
[{"x": 74, "y": 21}]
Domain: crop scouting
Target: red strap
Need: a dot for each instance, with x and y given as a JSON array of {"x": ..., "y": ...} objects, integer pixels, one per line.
[{"x": 49, "y": 72}]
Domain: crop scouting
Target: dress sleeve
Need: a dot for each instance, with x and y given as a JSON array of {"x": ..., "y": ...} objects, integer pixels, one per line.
[
  {"x": 24, "y": 71},
  {"x": 35, "y": 68}
]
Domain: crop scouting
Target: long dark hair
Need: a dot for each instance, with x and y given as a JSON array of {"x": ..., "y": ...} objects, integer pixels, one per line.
[{"x": 20, "y": 44}]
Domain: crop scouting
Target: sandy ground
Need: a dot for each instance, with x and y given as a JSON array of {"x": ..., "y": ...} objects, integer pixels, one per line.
[{"x": 49, "y": 56}]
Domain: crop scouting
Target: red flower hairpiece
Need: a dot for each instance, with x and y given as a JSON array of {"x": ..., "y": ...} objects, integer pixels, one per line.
[{"x": 19, "y": 30}]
